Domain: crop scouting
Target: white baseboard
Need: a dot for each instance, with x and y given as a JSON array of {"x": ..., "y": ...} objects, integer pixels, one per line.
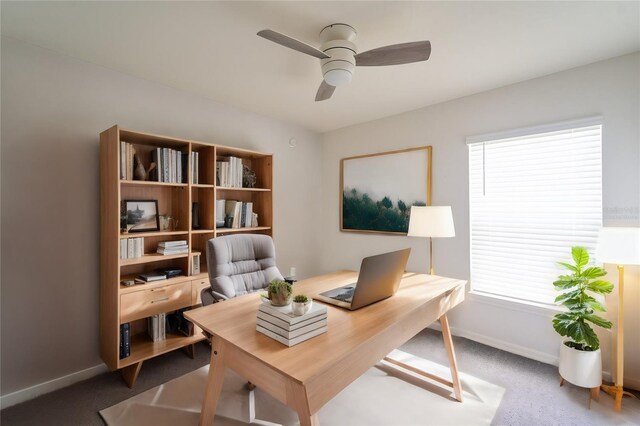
[
  {"x": 511, "y": 348},
  {"x": 50, "y": 386}
]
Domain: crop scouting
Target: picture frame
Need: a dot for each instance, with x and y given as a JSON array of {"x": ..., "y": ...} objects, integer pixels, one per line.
[
  {"x": 141, "y": 215},
  {"x": 378, "y": 190}
]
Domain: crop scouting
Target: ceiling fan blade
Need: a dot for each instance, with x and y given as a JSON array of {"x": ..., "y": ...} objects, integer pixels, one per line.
[
  {"x": 292, "y": 43},
  {"x": 324, "y": 91},
  {"x": 396, "y": 54}
]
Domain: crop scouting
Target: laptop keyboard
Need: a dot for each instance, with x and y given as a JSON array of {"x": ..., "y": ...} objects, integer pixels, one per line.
[{"x": 345, "y": 297}]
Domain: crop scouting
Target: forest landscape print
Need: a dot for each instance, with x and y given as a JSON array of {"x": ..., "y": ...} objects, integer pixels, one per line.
[{"x": 378, "y": 190}]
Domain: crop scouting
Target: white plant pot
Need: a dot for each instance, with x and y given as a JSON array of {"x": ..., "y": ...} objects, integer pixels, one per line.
[
  {"x": 582, "y": 368},
  {"x": 300, "y": 308}
]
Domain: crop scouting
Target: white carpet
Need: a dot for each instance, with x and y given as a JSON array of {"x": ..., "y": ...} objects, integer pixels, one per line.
[{"x": 382, "y": 396}]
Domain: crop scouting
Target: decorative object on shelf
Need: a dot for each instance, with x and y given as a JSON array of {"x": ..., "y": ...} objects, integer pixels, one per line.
[
  {"x": 195, "y": 216},
  {"x": 139, "y": 173},
  {"x": 377, "y": 190},
  {"x": 142, "y": 215},
  {"x": 168, "y": 223},
  {"x": 301, "y": 304},
  {"x": 620, "y": 246},
  {"x": 248, "y": 177},
  {"x": 580, "y": 358},
  {"x": 195, "y": 266},
  {"x": 431, "y": 222},
  {"x": 279, "y": 293}
]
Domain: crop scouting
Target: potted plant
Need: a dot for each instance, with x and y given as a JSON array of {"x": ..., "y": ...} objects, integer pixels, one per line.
[
  {"x": 279, "y": 292},
  {"x": 301, "y": 304},
  {"x": 580, "y": 358}
]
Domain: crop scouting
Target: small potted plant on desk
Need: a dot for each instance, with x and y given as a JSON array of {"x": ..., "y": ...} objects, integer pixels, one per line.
[
  {"x": 301, "y": 304},
  {"x": 580, "y": 358},
  {"x": 279, "y": 292}
]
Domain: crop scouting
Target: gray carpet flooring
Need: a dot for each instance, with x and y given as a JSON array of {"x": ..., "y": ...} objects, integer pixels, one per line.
[{"x": 532, "y": 395}]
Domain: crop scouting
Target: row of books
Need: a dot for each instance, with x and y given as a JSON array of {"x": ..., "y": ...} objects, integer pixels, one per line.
[
  {"x": 229, "y": 172},
  {"x": 171, "y": 165},
  {"x": 131, "y": 247},
  {"x": 279, "y": 323},
  {"x": 173, "y": 247},
  {"x": 157, "y": 328},
  {"x": 127, "y": 151},
  {"x": 241, "y": 213},
  {"x": 125, "y": 340}
]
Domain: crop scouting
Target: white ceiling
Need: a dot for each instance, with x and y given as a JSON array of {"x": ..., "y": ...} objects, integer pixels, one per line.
[{"x": 210, "y": 48}]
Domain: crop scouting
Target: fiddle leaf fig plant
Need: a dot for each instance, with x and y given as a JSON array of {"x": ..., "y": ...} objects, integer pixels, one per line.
[{"x": 581, "y": 305}]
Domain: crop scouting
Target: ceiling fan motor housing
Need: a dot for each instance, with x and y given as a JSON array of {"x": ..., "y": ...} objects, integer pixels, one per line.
[{"x": 337, "y": 42}]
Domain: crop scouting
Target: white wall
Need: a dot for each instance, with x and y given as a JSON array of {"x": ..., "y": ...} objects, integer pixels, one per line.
[
  {"x": 53, "y": 109},
  {"x": 610, "y": 88}
]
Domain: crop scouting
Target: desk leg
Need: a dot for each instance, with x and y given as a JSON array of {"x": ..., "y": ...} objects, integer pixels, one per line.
[
  {"x": 297, "y": 398},
  {"x": 448, "y": 343},
  {"x": 214, "y": 383}
]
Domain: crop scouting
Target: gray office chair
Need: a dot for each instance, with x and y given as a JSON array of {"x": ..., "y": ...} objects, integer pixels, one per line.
[{"x": 239, "y": 264}]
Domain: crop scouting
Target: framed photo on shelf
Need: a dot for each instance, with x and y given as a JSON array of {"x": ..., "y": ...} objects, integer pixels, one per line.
[
  {"x": 378, "y": 190},
  {"x": 141, "y": 215}
]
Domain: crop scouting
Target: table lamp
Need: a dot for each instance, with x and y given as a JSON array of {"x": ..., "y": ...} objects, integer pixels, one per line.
[
  {"x": 432, "y": 222},
  {"x": 620, "y": 246}
]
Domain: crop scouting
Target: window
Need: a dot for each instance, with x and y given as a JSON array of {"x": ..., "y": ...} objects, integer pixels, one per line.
[{"x": 533, "y": 194}]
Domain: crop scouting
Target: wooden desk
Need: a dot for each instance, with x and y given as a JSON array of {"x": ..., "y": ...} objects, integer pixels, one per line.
[{"x": 308, "y": 375}]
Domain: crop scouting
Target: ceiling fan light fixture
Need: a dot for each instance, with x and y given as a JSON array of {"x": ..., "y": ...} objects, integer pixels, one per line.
[{"x": 338, "y": 77}]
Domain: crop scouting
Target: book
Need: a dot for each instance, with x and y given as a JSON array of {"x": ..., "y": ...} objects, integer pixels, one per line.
[
  {"x": 152, "y": 276},
  {"x": 247, "y": 222},
  {"x": 220, "y": 211},
  {"x": 176, "y": 243},
  {"x": 285, "y": 314},
  {"x": 125, "y": 340},
  {"x": 292, "y": 334},
  {"x": 295, "y": 340}
]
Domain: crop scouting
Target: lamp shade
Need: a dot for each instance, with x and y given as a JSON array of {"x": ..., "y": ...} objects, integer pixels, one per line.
[
  {"x": 619, "y": 245},
  {"x": 431, "y": 221}
]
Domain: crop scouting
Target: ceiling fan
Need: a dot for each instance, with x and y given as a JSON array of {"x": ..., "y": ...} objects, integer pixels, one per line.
[{"x": 339, "y": 56}]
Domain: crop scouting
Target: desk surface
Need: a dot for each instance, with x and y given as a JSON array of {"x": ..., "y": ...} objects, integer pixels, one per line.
[{"x": 234, "y": 321}]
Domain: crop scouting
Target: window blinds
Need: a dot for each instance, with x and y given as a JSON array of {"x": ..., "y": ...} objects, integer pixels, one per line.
[{"x": 532, "y": 198}]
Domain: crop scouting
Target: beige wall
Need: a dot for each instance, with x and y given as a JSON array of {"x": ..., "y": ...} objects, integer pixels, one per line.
[
  {"x": 610, "y": 88},
  {"x": 53, "y": 109}
]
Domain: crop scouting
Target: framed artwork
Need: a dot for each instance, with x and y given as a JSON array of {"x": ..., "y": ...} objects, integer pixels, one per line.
[
  {"x": 378, "y": 190},
  {"x": 141, "y": 215}
]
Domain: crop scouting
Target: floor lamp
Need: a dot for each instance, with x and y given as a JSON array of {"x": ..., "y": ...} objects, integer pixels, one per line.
[
  {"x": 620, "y": 246},
  {"x": 431, "y": 222}
]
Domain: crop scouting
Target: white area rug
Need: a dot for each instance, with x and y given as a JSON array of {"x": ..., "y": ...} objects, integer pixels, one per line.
[{"x": 382, "y": 396}]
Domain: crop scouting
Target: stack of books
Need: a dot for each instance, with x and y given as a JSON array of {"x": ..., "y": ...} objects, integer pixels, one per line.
[
  {"x": 173, "y": 247},
  {"x": 280, "y": 324}
]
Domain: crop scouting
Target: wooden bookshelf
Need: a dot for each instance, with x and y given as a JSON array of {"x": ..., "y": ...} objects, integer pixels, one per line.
[{"x": 121, "y": 304}]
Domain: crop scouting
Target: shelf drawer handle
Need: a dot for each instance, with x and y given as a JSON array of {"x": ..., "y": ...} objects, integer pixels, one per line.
[
  {"x": 159, "y": 289},
  {"x": 164, "y": 299}
]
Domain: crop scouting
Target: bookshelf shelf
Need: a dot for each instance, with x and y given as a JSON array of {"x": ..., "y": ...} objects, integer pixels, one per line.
[
  {"x": 202, "y": 231},
  {"x": 193, "y": 165},
  {"x": 143, "y": 348},
  {"x": 154, "y": 234},
  {"x": 235, "y": 230},
  {"x": 226, "y": 188},
  {"x": 126, "y": 182}
]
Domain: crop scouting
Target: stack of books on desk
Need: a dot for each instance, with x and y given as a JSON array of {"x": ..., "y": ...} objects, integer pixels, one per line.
[{"x": 280, "y": 324}]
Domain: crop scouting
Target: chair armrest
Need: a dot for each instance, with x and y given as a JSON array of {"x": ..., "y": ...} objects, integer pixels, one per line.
[{"x": 209, "y": 296}]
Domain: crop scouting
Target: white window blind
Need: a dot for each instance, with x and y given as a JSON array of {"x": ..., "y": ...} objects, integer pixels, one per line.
[{"x": 532, "y": 198}]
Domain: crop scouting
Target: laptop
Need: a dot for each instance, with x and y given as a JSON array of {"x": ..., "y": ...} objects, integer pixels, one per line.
[{"x": 378, "y": 279}]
